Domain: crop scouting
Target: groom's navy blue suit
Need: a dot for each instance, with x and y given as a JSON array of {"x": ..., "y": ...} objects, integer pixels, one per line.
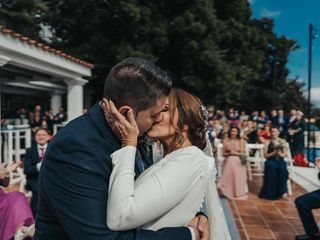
[{"x": 73, "y": 185}]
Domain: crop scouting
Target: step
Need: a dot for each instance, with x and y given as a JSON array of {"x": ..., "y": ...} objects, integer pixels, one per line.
[{"x": 306, "y": 177}]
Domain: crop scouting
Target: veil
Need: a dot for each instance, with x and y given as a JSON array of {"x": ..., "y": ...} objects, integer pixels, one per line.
[
  {"x": 218, "y": 225},
  {"x": 208, "y": 149}
]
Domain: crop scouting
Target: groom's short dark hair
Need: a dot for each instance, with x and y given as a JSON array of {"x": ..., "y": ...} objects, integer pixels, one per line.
[{"x": 136, "y": 82}]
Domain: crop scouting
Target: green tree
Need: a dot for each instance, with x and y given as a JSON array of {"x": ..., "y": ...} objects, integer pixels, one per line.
[
  {"x": 257, "y": 55},
  {"x": 291, "y": 98},
  {"x": 23, "y": 16},
  {"x": 104, "y": 32},
  {"x": 213, "y": 48}
]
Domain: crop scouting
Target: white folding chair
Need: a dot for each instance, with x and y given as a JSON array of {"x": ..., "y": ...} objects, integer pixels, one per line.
[
  {"x": 289, "y": 160},
  {"x": 256, "y": 161},
  {"x": 219, "y": 157}
]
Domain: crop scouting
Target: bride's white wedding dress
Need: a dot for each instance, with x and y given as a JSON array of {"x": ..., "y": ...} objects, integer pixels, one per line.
[{"x": 168, "y": 194}]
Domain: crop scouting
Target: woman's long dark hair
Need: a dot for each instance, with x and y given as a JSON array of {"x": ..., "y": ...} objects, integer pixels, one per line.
[{"x": 188, "y": 108}]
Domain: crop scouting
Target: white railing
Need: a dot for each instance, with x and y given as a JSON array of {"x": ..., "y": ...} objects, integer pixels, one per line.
[
  {"x": 315, "y": 139},
  {"x": 57, "y": 127},
  {"x": 11, "y": 141}
]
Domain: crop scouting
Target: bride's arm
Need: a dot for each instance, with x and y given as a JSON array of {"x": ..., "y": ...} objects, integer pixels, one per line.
[{"x": 131, "y": 206}]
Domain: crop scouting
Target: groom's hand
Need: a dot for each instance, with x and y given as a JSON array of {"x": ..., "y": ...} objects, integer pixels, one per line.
[{"x": 203, "y": 227}]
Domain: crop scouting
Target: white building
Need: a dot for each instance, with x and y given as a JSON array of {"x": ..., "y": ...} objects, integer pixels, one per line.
[{"x": 29, "y": 69}]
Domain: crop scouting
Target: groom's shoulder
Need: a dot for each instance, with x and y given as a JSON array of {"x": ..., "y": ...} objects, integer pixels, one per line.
[
  {"x": 79, "y": 143},
  {"x": 75, "y": 135},
  {"x": 77, "y": 128},
  {"x": 82, "y": 132}
]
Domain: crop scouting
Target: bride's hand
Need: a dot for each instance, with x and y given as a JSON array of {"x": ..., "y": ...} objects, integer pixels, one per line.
[{"x": 125, "y": 128}]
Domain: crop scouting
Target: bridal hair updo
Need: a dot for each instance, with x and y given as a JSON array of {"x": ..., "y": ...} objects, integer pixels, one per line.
[{"x": 191, "y": 113}]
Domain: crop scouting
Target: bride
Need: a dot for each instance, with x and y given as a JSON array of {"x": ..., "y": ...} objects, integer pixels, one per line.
[{"x": 170, "y": 192}]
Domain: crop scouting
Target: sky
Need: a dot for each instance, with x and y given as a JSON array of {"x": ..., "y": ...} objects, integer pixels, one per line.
[{"x": 292, "y": 19}]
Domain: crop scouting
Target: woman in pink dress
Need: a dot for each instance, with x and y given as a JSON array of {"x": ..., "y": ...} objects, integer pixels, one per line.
[
  {"x": 16, "y": 220},
  {"x": 233, "y": 180}
]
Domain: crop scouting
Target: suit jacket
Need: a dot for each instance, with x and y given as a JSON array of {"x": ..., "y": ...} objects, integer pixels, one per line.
[
  {"x": 73, "y": 185},
  {"x": 30, "y": 168}
]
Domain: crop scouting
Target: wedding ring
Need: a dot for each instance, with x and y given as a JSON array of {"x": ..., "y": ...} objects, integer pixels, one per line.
[{"x": 111, "y": 121}]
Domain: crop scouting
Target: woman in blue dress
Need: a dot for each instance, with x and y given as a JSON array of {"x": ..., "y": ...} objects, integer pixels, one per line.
[{"x": 275, "y": 170}]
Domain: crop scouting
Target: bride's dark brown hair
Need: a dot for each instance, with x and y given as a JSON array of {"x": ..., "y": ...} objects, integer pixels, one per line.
[{"x": 189, "y": 109}]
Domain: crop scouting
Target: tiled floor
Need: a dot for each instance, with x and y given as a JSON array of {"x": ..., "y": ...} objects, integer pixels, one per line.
[{"x": 263, "y": 219}]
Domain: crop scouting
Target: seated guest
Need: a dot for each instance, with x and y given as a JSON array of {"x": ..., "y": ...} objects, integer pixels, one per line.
[
  {"x": 35, "y": 118},
  {"x": 243, "y": 116},
  {"x": 254, "y": 116},
  {"x": 263, "y": 133},
  {"x": 275, "y": 170},
  {"x": 282, "y": 123},
  {"x": 61, "y": 116},
  {"x": 32, "y": 164},
  {"x": 16, "y": 221},
  {"x": 305, "y": 204},
  {"x": 263, "y": 118},
  {"x": 274, "y": 117},
  {"x": 251, "y": 133}
]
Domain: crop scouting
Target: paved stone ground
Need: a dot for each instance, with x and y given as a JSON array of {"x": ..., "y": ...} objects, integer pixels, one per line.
[{"x": 263, "y": 219}]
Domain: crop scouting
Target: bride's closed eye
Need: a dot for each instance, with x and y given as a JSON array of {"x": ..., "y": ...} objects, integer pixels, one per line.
[
  {"x": 165, "y": 109},
  {"x": 156, "y": 115}
]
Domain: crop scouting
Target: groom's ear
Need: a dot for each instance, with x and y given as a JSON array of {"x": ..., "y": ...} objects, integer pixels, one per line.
[{"x": 124, "y": 110}]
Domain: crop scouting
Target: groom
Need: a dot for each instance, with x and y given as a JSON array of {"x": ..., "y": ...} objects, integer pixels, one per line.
[{"x": 74, "y": 177}]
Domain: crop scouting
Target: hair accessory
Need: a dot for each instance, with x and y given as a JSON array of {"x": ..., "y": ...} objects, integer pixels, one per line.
[{"x": 205, "y": 115}]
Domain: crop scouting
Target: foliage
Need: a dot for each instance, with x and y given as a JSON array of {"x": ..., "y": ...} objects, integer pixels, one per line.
[
  {"x": 23, "y": 16},
  {"x": 213, "y": 48}
]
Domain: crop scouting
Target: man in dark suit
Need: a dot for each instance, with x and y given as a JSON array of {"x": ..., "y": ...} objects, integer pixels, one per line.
[
  {"x": 305, "y": 204},
  {"x": 32, "y": 163},
  {"x": 281, "y": 121},
  {"x": 74, "y": 178}
]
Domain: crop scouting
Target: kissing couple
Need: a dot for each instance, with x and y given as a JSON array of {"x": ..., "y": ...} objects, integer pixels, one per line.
[{"x": 98, "y": 181}]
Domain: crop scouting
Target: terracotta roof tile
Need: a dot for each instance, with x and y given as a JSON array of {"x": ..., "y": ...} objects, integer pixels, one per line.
[
  {"x": 16, "y": 35},
  {"x": 33, "y": 42},
  {"x": 5, "y": 30},
  {"x": 44, "y": 47},
  {"x": 24, "y": 39}
]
